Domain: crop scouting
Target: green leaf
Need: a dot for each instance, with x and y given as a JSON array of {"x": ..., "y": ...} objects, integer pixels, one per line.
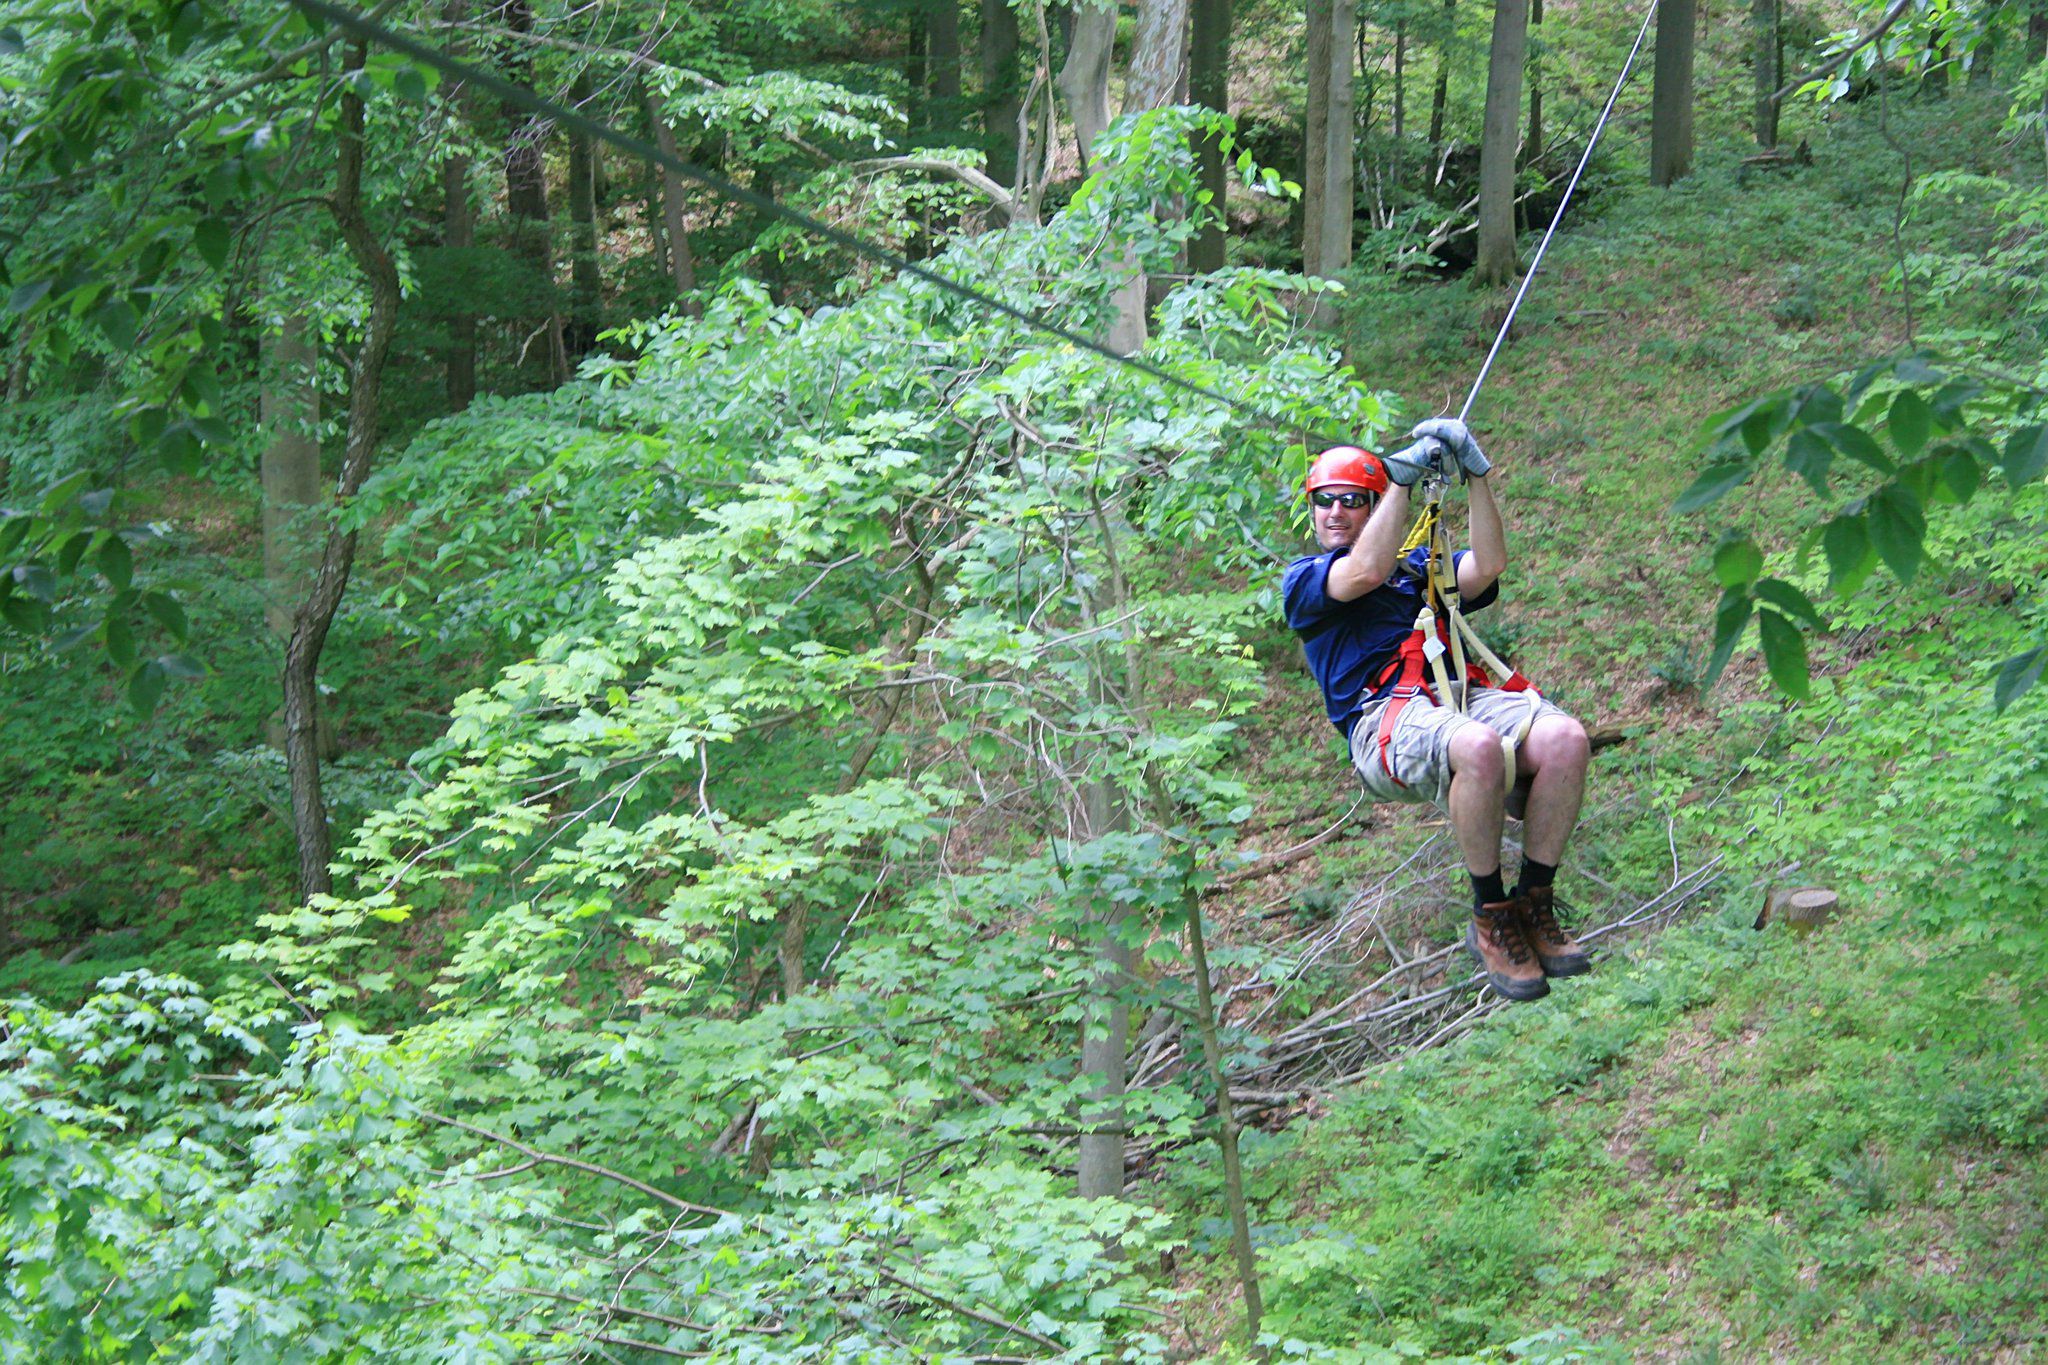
[
  {"x": 1914, "y": 369},
  {"x": 1784, "y": 654},
  {"x": 1808, "y": 455},
  {"x": 146, "y": 687},
  {"x": 1737, "y": 561},
  {"x": 1850, "y": 554},
  {"x": 1714, "y": 484},
  {"x": 214, "y": 239},
  {"x": 1897, "y": 529},
  {"x": 1729, "y": 619},
  {"x": 25, "y": 614},
  {"x": 181, "y": 666},
  {"x": 169, "y": 614},
  {"x": 2017, "y": 674},
  {"x": 2026, "y": 455},
  {"x": 120, "y": 641},
  {"x": 1856, "y": 443},
  {"x": 28, "y": 295},
  {"x": 1959, "y": 475},
  {"x": 1776, "y": 592},
  {"x": 222, "y": 182},
  {"x": 117, "y": 562},
  {"x": 1909, "y": 423},
  {"x": 1818, "y": 404},
  {"x": 71, "y": 552},
  {"x": 117, "y": 322},
  {"x": 410, "y": 85}
]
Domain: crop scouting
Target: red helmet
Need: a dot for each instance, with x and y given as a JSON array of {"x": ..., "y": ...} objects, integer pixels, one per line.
[{"x": 1347, "y": 465}]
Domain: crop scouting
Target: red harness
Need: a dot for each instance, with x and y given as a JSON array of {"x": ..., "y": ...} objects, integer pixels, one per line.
[{"x": 1409, "y": 669}]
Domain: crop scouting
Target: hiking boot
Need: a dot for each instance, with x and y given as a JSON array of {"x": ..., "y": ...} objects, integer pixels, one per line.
[
  {"x": 1498, "y": 939},
  {"x": 1557, "y": 950}
]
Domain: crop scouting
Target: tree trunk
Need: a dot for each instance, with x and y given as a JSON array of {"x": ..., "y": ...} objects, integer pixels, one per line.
[
  {"x": 682, "y": 263},
  {"x": 1440, "y": 96},
  {"x": 1400, "y": 97},
  {"x": 2037, "y": 30},
  {"x": 943, "y": 50},
  {"x": 1532, "y": 148},
  {"x": 1496, "y": 263},
  {"x": 1209, "y": 86},
  {"x": 458, "y": 234},
  {"x": 917, "y": 75},
  {"x": 1671, "y": 94},
  {"x": 1158, "y": 54},
  {"x": 1001, "y": 104},
  {"x": 1106, "y": 1028},
  {"x": 1315, "y": 138},
  {"x": 526, "y": 189},
  {"x": 330, "y": 582},
  {"x": 1084, "y": 77},
  {"x": 1338, "y": 200},
  {"x": 1084, "y": 80},
  {"x": 1763, "y": 18},
  {"x": 586, "y": 278},
  {"x": 289, "y": 409}
]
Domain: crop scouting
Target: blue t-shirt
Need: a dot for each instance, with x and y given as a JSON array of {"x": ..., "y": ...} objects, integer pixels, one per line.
[{"x": 1349, "y": 644}]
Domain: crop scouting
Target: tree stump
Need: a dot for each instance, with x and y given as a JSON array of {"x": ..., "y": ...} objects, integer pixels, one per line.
[{"x": 1801, "y": 908}]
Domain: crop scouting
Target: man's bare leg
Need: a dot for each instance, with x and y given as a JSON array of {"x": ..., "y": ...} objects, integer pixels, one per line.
[
  {"x": 1557, "y": 753},
  {"x": 1476, "y": 809}
]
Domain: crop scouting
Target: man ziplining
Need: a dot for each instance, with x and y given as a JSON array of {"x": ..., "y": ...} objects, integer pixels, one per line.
[{"x": 1358, "y": 607}]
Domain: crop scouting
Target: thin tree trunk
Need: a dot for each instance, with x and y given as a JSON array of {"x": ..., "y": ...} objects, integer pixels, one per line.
[
  {"x": 1440, "y": 96},
  {"x": 1338, "y": 200},
  {"x": 2037, "y": 30},
  {"x": 1763, "y": 18},
  {"x": 458, "y": 234},
  {"x": 1084, "y": 80},
  {"x": 1496, "y": 262},
  {"x": 1315, "y": 138},
  {"x": 586, "y": 277},
  {"x": 1105, "y": 1030},
  {"x": 1000, "y": 93},
  {"x": 1400, "y": 97},
  {"x": 316, "y": 615},
  {"x": 682, "y": 263},
  {"x": 1532, "y": 147},
  {"x": 1671, "y": 93},
  {"x": 289, "y": 410},
  {"x": 944, "y": 51},
  {"x": 1209, "y": 86},
  {"x": 1226, "y": 1122},
  {"x": 526, "y": 188},
  {"x": 917, "y": 75}
]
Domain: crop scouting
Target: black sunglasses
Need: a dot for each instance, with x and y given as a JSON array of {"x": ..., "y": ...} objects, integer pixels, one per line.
[{"x": 1352, "y": 500}]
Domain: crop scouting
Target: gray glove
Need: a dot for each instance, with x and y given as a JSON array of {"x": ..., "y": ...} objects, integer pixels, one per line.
[
  {"x": 1457, "y": 438},
  {"x": 1407, "y": 465}
]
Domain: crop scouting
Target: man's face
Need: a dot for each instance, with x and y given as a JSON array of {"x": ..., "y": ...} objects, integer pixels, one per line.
[{"x": 1337, "y": 526}]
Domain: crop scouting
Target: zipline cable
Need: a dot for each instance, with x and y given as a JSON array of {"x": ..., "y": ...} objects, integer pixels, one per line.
[
  {"x": 369, "y": 30},
  {"x": 1536, "y": 262}
]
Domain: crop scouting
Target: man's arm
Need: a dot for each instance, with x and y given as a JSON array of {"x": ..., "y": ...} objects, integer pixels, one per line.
[
  {"x": 1371, "y": 560},
  {"x": 1489, "y": 558}
]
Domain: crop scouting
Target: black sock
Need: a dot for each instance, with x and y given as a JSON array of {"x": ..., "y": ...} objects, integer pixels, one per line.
[
  {"x": 1486, "y": 888},
  {"x": 1535, "y": 874}
]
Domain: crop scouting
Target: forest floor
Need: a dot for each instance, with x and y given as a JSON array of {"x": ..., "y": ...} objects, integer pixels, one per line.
[{"x": 1725, "y": 1144}]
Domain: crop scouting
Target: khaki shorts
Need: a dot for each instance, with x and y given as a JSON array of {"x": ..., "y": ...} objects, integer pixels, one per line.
[{"x": 1421, "y": 749}]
